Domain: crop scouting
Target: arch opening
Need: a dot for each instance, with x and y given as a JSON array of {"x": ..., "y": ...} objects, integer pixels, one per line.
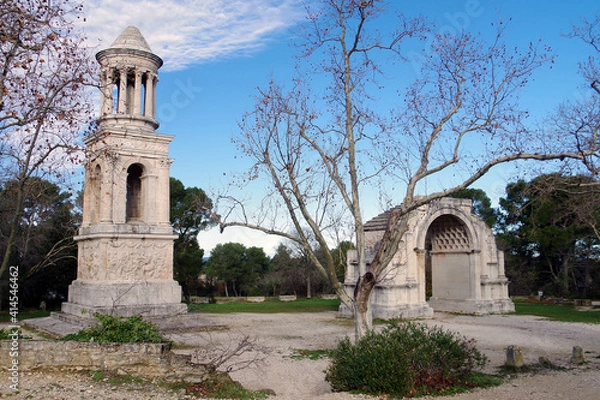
[
  {"x": 134, "y": 208},
  {"x": 447, "y": 260}
]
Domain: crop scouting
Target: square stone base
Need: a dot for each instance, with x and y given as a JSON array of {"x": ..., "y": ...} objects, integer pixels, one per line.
[
  {"x": 146, "y": 298},
  {"x": 472, "y": 306},
  {"x": 405, "y": 311}
]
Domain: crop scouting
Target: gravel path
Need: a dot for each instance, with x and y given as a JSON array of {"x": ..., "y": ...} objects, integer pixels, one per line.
[{"x": 279, "y": 336}]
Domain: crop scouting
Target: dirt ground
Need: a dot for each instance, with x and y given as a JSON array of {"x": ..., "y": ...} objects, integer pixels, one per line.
[
  {"x": 290, "y": 378},
  {"x": 280, "y": 336}
]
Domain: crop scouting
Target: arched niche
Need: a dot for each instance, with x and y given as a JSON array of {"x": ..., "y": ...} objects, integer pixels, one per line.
[{"x": 134, "y": 210}]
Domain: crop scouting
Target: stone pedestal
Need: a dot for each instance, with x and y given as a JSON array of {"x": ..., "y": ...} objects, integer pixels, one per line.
[
  {"x": 122, "y": 271},
  {"x": 149, "y": 299}
]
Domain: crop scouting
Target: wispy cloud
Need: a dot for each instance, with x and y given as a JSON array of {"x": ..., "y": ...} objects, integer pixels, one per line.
[{"x": 187, "y": 32}]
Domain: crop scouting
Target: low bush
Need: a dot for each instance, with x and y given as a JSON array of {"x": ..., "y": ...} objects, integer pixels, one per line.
[
  {"x": 119, "y": 330},
  {"x": 404, "y": 359},
  {"x": 219, "y": 385},
  {"x": 10, "y": 334}
]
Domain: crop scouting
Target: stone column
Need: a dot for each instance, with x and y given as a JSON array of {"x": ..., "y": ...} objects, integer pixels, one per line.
[
  {"x": 87, "y": 196},
  {"x": 104, "y": 94},
  {"x": 500, "y": 264},
  {"x": 150, "y": 195},
  {"x": 137, "y": 96},
  {"x": 105, "y": 186},
  {"x": 122, "y": 106},
  {"x": 154, "y": 84},
  {"x": 163, "y": 211},
  {"x": 474, "y": 277},
  {"x": 95, "y": 204},
  {"x": 149, "y": 100},
  {"x": 119, "y": 193}
]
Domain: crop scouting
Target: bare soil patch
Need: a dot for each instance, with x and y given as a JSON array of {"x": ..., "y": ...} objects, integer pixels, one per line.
[{"x": 282, "y": 335}]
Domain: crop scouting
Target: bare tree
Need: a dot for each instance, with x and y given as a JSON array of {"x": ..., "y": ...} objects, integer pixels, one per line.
[
  {"x": 580, "y": 118},
  {"x": 324, "y": 151},
  {"x": 44, "y": 74}
]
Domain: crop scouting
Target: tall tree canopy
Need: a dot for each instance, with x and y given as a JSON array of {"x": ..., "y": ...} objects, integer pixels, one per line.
[
  {"x": 548, "y": 226},
  {"x": 44, "y": 248},
  {"x": 580, "y": 118},
  {"x": 191, "y": 209},
  {"x": 237, "y": 267},
  {"x": 325, "y": 147},
  {"x": 44, "y": 104},
  {"x": 191, "y": 212}
]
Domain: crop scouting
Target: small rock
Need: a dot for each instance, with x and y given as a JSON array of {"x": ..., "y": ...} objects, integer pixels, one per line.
[
  {"x": 577, "y": 356},
  {"x": 514, "y": 357}
]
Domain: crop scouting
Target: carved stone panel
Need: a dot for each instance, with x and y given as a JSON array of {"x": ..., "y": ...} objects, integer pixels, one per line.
[{"x": 125, "y": 259}]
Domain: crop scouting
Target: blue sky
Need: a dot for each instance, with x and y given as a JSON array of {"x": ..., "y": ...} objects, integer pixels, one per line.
[{"x": 217, "y": 52}]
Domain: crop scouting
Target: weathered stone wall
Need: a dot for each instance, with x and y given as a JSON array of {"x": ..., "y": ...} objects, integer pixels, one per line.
[{"x": 150, "y": 360}]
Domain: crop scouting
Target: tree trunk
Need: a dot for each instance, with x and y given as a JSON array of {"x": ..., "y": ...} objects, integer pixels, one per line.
[
  {"x": 14, "y": 226},
  {"x": 363, "y": 314},
  {"x": 565, "y": 271},
  {"x": 186, "y": 292},
  {"x": 308, "y": 288}
]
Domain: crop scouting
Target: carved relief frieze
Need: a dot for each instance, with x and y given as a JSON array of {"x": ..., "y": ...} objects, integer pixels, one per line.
[
  {"x": 139, "y": 259},
  {"x": 125, "y": 260}
]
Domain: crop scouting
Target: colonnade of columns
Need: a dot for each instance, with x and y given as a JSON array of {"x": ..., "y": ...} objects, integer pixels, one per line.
[{"x": 128, "y": 90}]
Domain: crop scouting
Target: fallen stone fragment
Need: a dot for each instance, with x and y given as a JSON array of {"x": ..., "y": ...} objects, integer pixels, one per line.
[
  {"x": 577, "y": 356},
  {"x": 514, "y": 357}
]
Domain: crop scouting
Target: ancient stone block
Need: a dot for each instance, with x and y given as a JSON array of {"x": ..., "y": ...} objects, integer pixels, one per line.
[
  {"x": 577, "y": 356},
  {"x": 514, "y": 357}
]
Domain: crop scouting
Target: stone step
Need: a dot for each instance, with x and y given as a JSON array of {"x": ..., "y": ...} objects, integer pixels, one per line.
[
  {"x": 59, "y": 324},
  {"x": 51, "y": 326}
]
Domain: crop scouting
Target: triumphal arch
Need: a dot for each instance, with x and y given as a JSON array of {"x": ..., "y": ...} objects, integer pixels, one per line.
[{"x": 447, "y": 261}]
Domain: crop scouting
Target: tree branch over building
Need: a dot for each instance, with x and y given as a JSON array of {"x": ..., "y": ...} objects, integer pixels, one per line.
[
  {"x": 44, "y": 74},
  {"x": 345, "y": 129}
]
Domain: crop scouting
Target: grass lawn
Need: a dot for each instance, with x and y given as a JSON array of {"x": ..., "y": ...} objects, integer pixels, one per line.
[
  {"x": 24, "y": 314},
  {"x": 557, "y": 312},
  {"x": 270, "y": 306}
]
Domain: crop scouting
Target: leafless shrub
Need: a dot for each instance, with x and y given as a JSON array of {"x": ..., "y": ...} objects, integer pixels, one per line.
[{"x": 236, "y": 353}]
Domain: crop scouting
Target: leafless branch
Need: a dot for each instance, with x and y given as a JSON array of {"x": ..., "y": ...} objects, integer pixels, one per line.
[{"x": 234, "y": 354}]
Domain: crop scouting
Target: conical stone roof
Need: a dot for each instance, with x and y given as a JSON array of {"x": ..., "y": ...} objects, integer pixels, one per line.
[{"x": 131, "y": 38}]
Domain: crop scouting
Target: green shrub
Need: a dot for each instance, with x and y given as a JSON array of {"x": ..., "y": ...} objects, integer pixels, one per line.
[
  {"x": 404, "y": 359},
  {"x": 8, "y": 334},
  {"x": 119, "y": 330},
  {"x": 219, "y": 385}
]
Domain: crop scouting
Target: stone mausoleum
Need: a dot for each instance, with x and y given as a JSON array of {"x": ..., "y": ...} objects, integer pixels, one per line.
[
  {"x": 125, "y": 242},
  {"x": 447, "y": 261}
]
